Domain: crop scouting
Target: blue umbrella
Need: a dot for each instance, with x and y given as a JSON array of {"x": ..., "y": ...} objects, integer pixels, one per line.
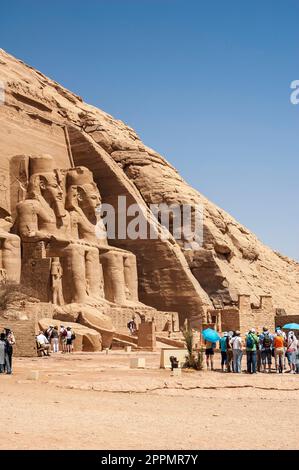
[
  {"x": 210, "y": 335},
  {"x": 291, "y": 326}
]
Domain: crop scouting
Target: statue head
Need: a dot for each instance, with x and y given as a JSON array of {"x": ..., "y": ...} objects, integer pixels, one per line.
[
  {"x": 45, "y": 181},
  {"x": 82, "y": 191}
]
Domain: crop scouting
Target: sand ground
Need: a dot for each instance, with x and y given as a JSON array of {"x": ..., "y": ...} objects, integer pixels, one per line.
[{"x": 95, "y": 401}]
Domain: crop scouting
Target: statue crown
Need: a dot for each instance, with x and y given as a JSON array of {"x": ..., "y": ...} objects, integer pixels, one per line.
[{"x": 79, "y": 176}]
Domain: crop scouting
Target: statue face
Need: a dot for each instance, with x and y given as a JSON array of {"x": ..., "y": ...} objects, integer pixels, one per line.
[
  {"x": 89, "y": 198},
  {"x": 51, "y": 190}
]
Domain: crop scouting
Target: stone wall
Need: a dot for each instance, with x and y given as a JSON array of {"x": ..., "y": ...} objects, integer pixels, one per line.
[
  {"x": 252, "y": 317},
  {"x": 24, "y": 332},
  {"x": 230, "y": 319},
  {"x": 147, "y": 336},
  {"x": 121, "y": 316},
  {"x": 281, "y": 320},
  {"x": 246, "y": 316}
]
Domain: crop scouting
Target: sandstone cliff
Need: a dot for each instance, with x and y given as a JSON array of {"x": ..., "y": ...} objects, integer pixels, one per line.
[{"x": 39, "y": 115}]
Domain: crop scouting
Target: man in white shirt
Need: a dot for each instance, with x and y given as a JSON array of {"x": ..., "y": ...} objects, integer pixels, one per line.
[
  {"x": 237, "y": 345},
  {"x": 42, "y": 343}
]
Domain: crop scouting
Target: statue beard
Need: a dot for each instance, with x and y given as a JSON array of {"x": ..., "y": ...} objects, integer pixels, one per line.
[
  {"x": 59, "y": 209},
  {"x": 57, "y": 205},
  {"x": 89, "y": 211}
]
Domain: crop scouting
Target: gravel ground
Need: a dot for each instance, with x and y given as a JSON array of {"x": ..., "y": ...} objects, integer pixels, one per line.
[{"x": 95, "y": 401}]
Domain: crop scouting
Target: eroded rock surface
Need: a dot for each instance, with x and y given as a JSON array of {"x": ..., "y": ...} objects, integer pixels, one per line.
[{"x": 40, "y": 116}]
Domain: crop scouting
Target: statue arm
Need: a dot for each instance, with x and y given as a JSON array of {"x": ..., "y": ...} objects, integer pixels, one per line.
[{"x": 28, "y": 223}]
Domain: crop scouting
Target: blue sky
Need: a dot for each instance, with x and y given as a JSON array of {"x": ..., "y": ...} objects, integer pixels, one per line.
[{"x": 205, "y": 83}]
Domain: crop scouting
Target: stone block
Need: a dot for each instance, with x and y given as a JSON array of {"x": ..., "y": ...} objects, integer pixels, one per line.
[
  {"x": 176, "y": 372},
  {"x": 180, "y": 354},
  {"x": 33, "y": 375},
  {"x": 137, "y": 363}
]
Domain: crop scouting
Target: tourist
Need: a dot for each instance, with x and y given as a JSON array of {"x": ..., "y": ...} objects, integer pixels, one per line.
[
  {"x": 132, "y": 326},
  {"x": 279, "y": 352},
  {"x": 258, "y": 355},
  {"x": 55, "y": 339},
  {"x": 279, "y": 329},
  {"x": 223, "y": 350},
  {"x": 229, "y": 351},
  {"x": 43, "y": 343},
  {"x": 297, "y": 359},
  {"x": 252, "y": 342},
  {"x": 62, "y": 337},
  {"x": 209, "y": 354},
  {"x": 237, "y": 345},
  {"x": 265, "y": 345},
  {"x": 4, "y": 359},
  {"x": 292, "y": 346},
  {"x": 70, "y": 336},
  {"x": 9, "y": 347},
  {"x": 48, "y": 333}
]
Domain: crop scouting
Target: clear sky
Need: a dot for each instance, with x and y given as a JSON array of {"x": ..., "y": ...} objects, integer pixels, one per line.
[{"x": 205, "y": 83}]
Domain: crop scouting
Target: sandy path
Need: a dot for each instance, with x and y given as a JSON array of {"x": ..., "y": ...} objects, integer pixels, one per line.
[{"x": 142, "y": 409}]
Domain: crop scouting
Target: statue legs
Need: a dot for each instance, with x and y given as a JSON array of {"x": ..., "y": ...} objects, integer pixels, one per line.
[
  {"x": 131, "y": 276},
  {"x": 114, "y": 280},
  {"x": 120, "y": 276},
  {"x": 11, "y": 257},
  {"x": 74, "y": 281},
  {"x": 94, "y": 274}
]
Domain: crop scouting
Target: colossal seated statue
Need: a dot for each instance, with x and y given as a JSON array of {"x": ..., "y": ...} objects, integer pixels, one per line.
[
  {"x": 117, "y": 267},
  {"x": 57, "y": 222},
  {"x": 44, "y": 227},
  {"x": 10, "y": 253},
  {"x": 52, "y": 259}
]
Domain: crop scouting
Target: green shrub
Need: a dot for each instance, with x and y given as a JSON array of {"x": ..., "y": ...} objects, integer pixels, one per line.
[{"x": 193, "y": 360}]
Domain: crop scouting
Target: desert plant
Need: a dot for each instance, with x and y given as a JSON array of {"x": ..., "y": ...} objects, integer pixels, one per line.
[
  {"x": 200, "y": 359},
  {"x": 193, "y": 361}
]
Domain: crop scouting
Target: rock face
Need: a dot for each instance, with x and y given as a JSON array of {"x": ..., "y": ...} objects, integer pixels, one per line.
[{"x": 40, "y": 117}]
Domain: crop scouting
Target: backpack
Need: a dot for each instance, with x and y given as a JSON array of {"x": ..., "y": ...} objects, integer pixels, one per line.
[
  {"x": 249, "y": 342},
  {"x": 267, "y": 341}
]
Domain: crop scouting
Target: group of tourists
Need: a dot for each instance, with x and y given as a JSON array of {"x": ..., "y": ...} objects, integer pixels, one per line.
[
  {"x": 260, "y": 350},
  {"x": 54, "y": 339},
  {"x": 7, "y": 340}
]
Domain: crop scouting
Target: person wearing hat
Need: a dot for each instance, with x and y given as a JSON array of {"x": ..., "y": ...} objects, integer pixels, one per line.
[
  {"x": 237, "y": 345},
  {"x": 292, "y": 346},
  {"x": 223, "y": 350},
  {"x": 279, "y": 352},
  {"x": 252, "y": 342},
  {"x": 266, "y": 344},
  {"x": 229, "y": 351}
]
